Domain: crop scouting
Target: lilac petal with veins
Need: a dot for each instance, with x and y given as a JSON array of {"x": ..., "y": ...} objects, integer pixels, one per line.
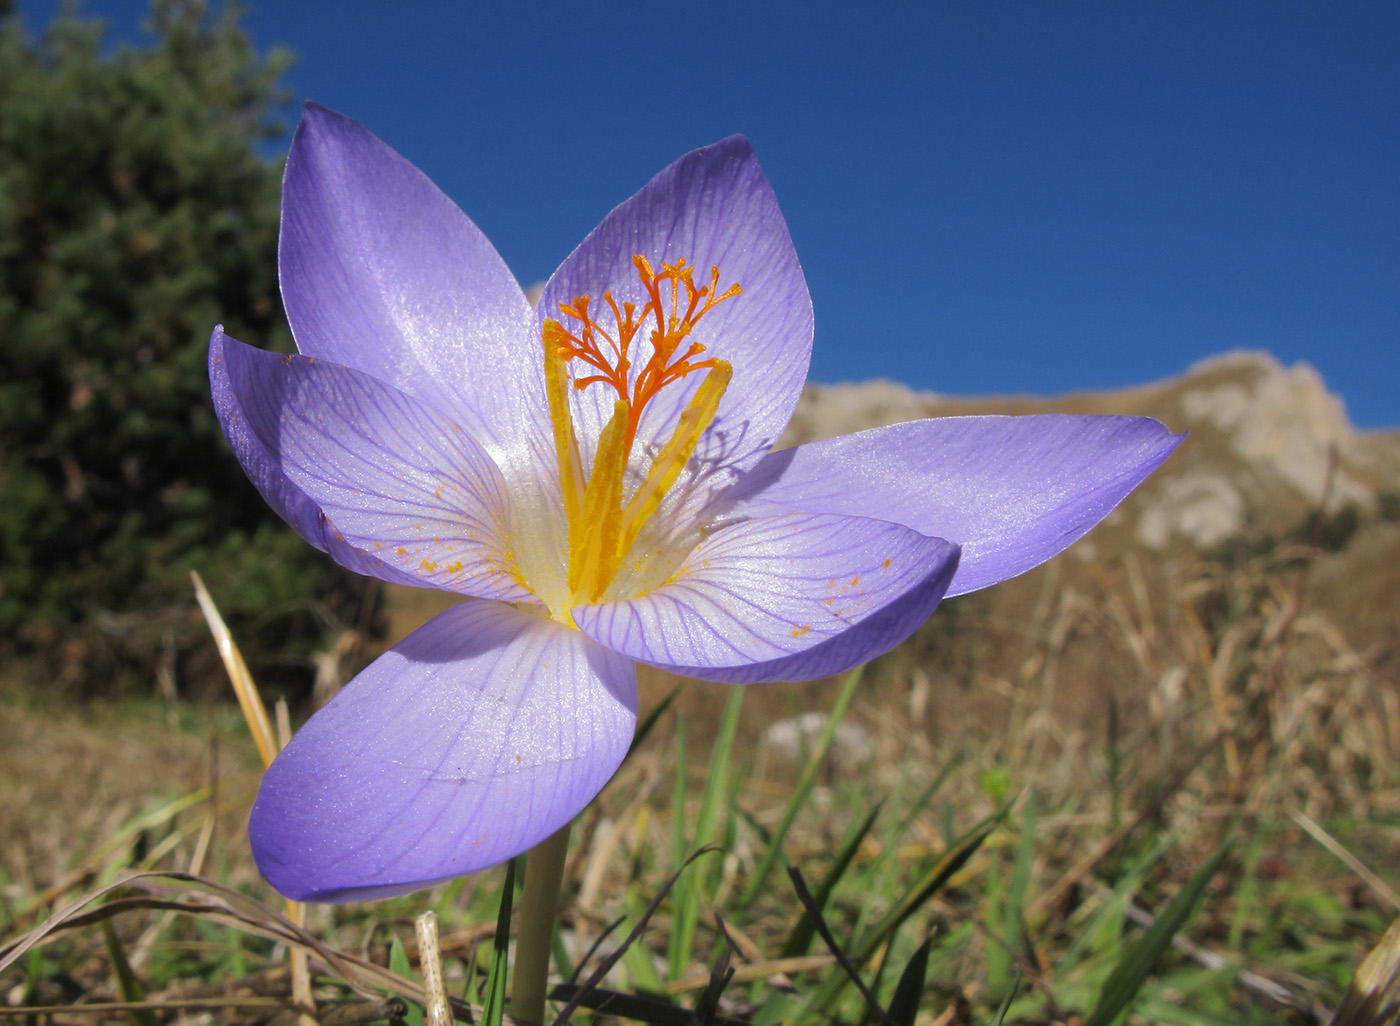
[
  {"x": 383, "y": 273},
  {"x": 264, "y": 468},
  {"x": 1012, "y": 491},
  {"x": 399, "y": 481},
  {"x": 763, "y": 591},
  {"x": 713, "y": 207},
  {"x": 468, "y": 742}
]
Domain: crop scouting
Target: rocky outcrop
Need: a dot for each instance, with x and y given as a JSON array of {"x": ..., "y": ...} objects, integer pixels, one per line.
[
  {"x": 1284, "y": 419},
  {"x": 1203, "y": 507},
  {"x": 1269, "y": 444}
]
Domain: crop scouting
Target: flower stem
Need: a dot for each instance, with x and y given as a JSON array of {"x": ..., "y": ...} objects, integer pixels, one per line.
[{"x": 539, "y": 904}]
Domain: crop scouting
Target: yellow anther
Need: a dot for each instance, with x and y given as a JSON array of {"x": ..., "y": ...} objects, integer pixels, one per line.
[
  {"x": 671, "y": 460},
  {"x": 556, "y": 383},
  {"x": 602, "y": 530},
  {"x": 593, "y": 563}
]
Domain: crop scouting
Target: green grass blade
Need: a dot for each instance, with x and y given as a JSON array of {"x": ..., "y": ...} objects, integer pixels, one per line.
[
  {"x": 931, "y": 883},
  {"x": 1003, "y": 945},
  {"x": 1102, "y": 929},
  {"x": 716, "y": 785},
  {"x": 637, "y": 957},
  {"x": 1133, "y": 968},
  {"x": 399, "y": 965},
  {"x": 692, "y": 884},
  {"x": 1005, "y": 1006},
  {"x": 909, "y": 991},
  {"x": 799, "y": 941},
  {"x": 471, "y": 988},
  {"x": 678, "y": 836},
  {"x": 997, "y": 956},
  {"x": 928, "y": 885},
  {"x": 849, "y": 971},
  {"x": 927, "y": 795},
  {"x": 1115, "y": 768},
  {"x": 495, "y": 999},
  {"x": 1021, "y": 871},
  {"x": 562, "y": 960},
  {"x": 127, "y": 983},
  {"x": 804, "y": 788},
  {"x": 574, "y": 997},
  {"x": 679, "y": 841},
  {"x": 649, "y": 721},
  {"x": 1247, "y": 893}
]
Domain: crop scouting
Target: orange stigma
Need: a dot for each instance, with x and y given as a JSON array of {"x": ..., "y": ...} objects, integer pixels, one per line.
[
  {"x": 613, "y": 366},
  {"x": 602, "y": 527}
]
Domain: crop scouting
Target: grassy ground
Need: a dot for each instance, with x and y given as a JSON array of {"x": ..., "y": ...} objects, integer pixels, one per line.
[{"x": 1223, "y": 854}]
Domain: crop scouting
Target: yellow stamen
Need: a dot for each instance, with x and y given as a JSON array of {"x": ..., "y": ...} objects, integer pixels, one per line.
[
  {"x": 556, "y": 383},
  {"x": 602, "y": 530},
  {"x": 671, "y": 460},
  {"x": 593, "y": 563}
]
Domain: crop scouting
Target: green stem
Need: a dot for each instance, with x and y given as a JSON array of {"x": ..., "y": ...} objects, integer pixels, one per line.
[{"x": 539, "y": 905}]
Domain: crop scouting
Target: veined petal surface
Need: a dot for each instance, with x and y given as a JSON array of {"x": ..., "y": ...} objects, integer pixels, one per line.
[
  {"x": 1011, "y": 491},
  {"x": 264, "y": 468},
  {"x": 757, "y": 594},
  {"x": 397, "y": 480},
  {"x": 712, "y": 207},
  {"x": 468, "y": 742},
  {"x": 872, "y": 637},
  {"x": 383, "y": 273}
]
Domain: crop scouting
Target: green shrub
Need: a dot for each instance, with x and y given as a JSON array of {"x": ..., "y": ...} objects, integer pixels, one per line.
[
  {"x": 136, "y": 212},
  {"x": 1331, "y": 532},
  {"x": 1388, "y": 506}
]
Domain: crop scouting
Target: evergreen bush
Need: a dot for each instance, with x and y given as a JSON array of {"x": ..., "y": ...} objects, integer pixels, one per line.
[{"x": 136, "y": 212}]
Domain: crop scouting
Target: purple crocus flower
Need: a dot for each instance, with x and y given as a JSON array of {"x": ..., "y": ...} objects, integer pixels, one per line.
[{"x": 594, "y": 477}]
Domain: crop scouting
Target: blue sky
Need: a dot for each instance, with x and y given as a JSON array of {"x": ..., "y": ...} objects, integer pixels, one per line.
[{"x": 986, "y": 197}]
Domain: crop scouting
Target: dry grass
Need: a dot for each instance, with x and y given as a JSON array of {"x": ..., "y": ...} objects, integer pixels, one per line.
[
  {"x": 1145, "y": 708},
  {"x": 79, "y": 783}
]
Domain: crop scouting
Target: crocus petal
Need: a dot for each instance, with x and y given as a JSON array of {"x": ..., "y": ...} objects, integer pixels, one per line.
[
  {"x": 714, "y": 208},
  {"x": 770, "y": 598},
  {"x": 1012, "y": 491},
  {"x": 264, "y": 468},
  {"x": 396, "y": 479},
  {"x": 383, "y": 273},
  {"x": 467, "y": 743},
  {"x": 872, "y": 637}
]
